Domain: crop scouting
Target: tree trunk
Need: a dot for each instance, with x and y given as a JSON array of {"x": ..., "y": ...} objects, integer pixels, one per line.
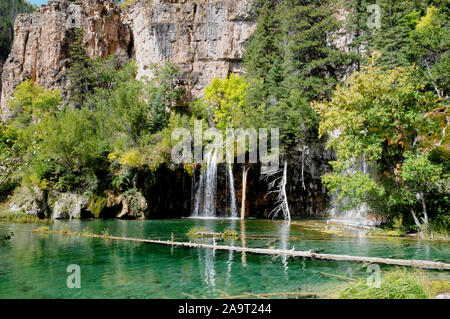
[
  {"x": 416, "y": 220},
  {"x": 286, "y": 212},
  {"x": 244, "y": 191},
  {"x": 425, "y": 213}
]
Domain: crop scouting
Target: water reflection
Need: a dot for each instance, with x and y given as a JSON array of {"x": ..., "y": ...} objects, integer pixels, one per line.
[
  {"x": 34, "y": 265},
  {"x": 230, "y": 254},
  {"x": 284, "y": 234},
  {"x": 243, "y": 243}
]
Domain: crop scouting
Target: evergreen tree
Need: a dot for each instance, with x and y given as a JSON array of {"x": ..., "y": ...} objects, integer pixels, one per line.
[
  {"x": 80, "y": 73},
  {"x": 291, "y": 61}
]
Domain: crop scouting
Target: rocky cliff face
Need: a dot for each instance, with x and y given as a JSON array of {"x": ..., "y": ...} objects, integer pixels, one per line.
[
  {"x": 205, "y": 38},
  {"x": 42, "y": 40},
  {"x": 9, "y": 9}
]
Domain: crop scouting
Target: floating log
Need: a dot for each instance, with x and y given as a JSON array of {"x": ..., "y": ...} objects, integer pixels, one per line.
[{"x": 426, "y": 264}]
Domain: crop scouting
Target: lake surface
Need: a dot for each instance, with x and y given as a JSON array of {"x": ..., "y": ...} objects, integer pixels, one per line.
[{"x": 34, "y": 265}]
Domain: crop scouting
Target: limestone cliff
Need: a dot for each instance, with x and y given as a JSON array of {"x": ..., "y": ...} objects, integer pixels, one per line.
[
  {"x": 42, "y": 39},
  {"x": 9, "y": 9},
  {"x": 205, "y": 38}
]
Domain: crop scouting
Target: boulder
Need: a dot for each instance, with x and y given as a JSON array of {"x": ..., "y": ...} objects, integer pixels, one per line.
[
  {"x": 70, "y": 206},
  {"x": 30, "y": 200}
]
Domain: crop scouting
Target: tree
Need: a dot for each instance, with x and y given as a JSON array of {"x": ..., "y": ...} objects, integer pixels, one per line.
[
  {"x": 164, "y": 94},
  {"x": 80, "y": 73},
  {"x": 9, "y": 9},
  {"x": 22, "y": 134},
  {"x": 429, "y": 48},
  {"x": 421, "y": 175},
  {"x": 224, "y": 102},
  {"x": 375, "y": 116}
]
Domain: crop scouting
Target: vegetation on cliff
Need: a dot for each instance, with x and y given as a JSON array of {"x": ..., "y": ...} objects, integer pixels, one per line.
[{"x": 113, "y": 128}]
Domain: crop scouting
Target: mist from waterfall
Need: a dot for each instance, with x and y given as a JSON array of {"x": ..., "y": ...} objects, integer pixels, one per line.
[{"x": 355, "y": 216}]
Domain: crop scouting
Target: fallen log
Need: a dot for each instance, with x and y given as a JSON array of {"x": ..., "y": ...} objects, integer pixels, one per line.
[{"x": 426, "y": 264}]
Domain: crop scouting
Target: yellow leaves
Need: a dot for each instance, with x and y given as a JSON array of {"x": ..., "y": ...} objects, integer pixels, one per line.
[
  {"x": 131, "y": 159},
  {"x": 32, "y": 179},
  {"x": 43, "y": 184},
  {"x": 34, "y": 99},
  {"x": 226, "y": 99},
  {"x": 113, "y": 156},
  {"x": 428, "y": 22}
]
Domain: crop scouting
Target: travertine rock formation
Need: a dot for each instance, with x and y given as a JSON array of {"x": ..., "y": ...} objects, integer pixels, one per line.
[
  {"x": 42, "y": 39},
  {"x": 205, "y": 38}
]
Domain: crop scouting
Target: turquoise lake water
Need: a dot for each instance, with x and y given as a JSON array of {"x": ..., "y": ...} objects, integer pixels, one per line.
[{"x": 35, "y": 265}]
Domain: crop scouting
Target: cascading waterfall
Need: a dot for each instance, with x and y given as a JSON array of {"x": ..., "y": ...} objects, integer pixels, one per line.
[
  {"x": 209, "y": 209},
  {"x": 205, "y": 198},
  {"x": 206, "y": 194}
]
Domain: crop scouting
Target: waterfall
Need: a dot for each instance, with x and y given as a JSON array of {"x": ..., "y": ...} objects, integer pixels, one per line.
[
  {"x": 356, "y": 216},
  {"x": 209, "y": 209},
  {"x": 205, "y": 198},
  {"x": 206, "y": 194},
  {"x": 233, "y": 208}
]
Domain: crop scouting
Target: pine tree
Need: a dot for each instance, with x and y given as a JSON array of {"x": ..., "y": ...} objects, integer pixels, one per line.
[
  {"x": 262, "y": 59},
  {"x": 80, "y": 71},
  {"x": 291, "y": 61}
]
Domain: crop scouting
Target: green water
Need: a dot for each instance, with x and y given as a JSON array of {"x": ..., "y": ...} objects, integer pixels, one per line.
[{"x": 34, "y": 265}]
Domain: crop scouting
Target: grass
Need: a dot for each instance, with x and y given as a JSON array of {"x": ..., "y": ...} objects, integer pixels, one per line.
[
  {"x": 194, "y": 231},
  {"x": 387, "y": 232},
  {"x": 65, "y": 230},
  {"x": 230, "y": 234},
  {"x": 105, "y": 234},
  {"x": 205, "y": 232},
  {"x": 20, "y": 217},
  {"x": 437, "y": 287},
  {"x": 396, "y": 284}
]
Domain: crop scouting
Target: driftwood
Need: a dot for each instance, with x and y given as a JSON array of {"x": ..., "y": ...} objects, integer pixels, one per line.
[{"x": 426, "y": 264}]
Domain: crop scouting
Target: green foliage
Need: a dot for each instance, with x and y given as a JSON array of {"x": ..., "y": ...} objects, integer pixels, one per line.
[
  {"x": 429, "y": 39},
  {"x": 73, "y": 140},
  {"x": 96, "y": 204},
  {"x": 289, "y": 62},
  {"x": 377, "y": 114},
  {"x": 164, "y": 94},
  {"x": 411, "y": 32},
  {"x": 31, "y": 102},
  {"x": 80, "y": 71},
  {"x": 398, "y": 284},
  {"x": 20, "y": 137},
  {"x": 224, "y": 102}
]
